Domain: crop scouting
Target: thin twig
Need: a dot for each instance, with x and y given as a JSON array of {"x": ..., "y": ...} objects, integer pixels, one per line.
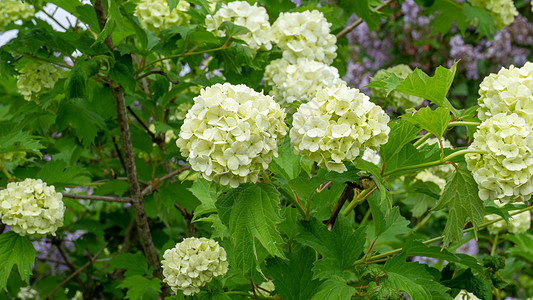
[
  {"x": 358, "y": 22},
  {"x": 98, "y": 198},
  {"x": 119, "y": 153},
  {"x": 348, "y": 190},
  {"x": 156, "y": 181},
  {"x": 160, "y": 72},
  {"x": 188, "y": 218},
  {"x": 91, "y": 260},
  {"x": 152, "y": 135}
]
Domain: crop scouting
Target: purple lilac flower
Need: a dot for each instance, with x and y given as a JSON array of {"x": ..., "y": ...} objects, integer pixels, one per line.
[{"x": 469, "y": 248}]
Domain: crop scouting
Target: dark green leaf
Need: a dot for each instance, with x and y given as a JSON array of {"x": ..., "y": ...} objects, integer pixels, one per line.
[
  {"x": 134, "y": 264},
  {"x": 476, "y": 284},
  {"x": 15, "y": 250},
  {"x": 481, "y": 18},
  {"x": 447, "y": 13},
  {"x": 85, "y": 122},
  {"x": 77, "y": 81},
  {"x": 19, "y": 141},
  {"x": 140, "y": 287},
  {"x": 56, "y": 172}
]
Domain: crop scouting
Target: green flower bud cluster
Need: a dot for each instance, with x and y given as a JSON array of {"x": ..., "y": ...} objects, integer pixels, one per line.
[
  {"x": 304, "y": 35},
  {"x": 231, "y": 133},
  {"x": 502, "y": 11},
  {"x": 14, "y": 156},
  {"x": 36, "y": 78},
  {"x": 336, "y": 126},
  {"x": 155, "y": 15},
  {"x": 11, "y": 11},
  {"x": 518, "y": 223},
  {"x": 193, "y": 263},
  {"x": 301, "y": 81},
  {"x": 241, "y": 13},
  {"x": 31, "y": 207},
  {"x": 397, "y": 100}
]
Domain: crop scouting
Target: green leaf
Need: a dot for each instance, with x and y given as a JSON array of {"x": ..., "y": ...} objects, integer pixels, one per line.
[
  {"x": 15, "y": 250},
  {"x": 68, "y": 5},
  {"x": 207, "y": 193},
  {"x": 293, "y": 277},
  {"x": 287, "y": 164},
  {"x": 461, "y": 198},
  {"x": 115, "y": 15},
  {"x": 233, "y": 29},
  {"x": 134, "y": 264},
  {"x": 172, "y": 4},
  {"x": 524, "y": 245},
  {"x": 339, "y": 248},
  {"x": 416, "y": 248},
  {"x": 140, "y": 287},
  {"x": 56, "y": 172},
  {"x": 433, "y": 88},
  {"x": 19, "y": 141},
  {"x": 435, "y": 121},
  {"x": 448, "y": 12},
  {"x": 85, "y": 122},
  {"x": 385, "y": 196},
  {"x": 481, "y": 287},
  {"x": 388, "y": 82},
  {"x": 77, "y": 81},
  {"x": 251, "y": 213},
  {"x": 87, "y": 15},
  {"x": 364, "y": 9},
  {"x": 485, "y": 25},
  {"x": 335, "y": 288},
  {"x": 401, "y": 133},
  {"x": 122, "y": 72},
  {"x": 385, "y": 220}
]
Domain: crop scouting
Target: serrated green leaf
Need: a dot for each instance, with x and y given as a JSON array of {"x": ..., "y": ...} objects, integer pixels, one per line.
[
  {"x": 87, "y": 15},
  {"x": 232, "y": 29},
  {"x": 134, "y": 264},
  {"x": 335, "y": 288},
  {"x": 113, "y": 187},
  {"x": 483, "y": 21},
  {"x": 462, "y": 200},
  {"x": 15, "y": 250},
  {"x": 19, "y": 141},
  {"x": 140, "y": 287},
  {"x": 385, "y": 196},
  {"x": 85, "y": 122},
  {"x": 251, "y": 213},
  {"x": 416, "y": 248},
  {"x": 293, "y": 277},
  {"x": 446, "y": 13},
  {"x": 434, "y": 121},
  {"x": 401, "y": 133},
  {"x": 365, "y": 9},
  {"x": 385, "y": 220},
  {"x": 476, "y": 284},
  {"x": 206, "y": 192},
  {"x": 287, "y": 164},
  {"x": 77, "y": 81},
  {"x": 122, "y": 72},
  {"x": 172, "y": 4},
  {"x": 388, "y": 82},
  {"x": 339, "y": 248},
  {"x": 56, "y": 172}
]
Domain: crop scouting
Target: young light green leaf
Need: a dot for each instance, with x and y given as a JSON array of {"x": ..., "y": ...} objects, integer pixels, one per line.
[
  {"x": 251, "y": 213},
  {"x": 389, "y": 82},
  {"x": 206, "y": 192},
  {"x": 435, "y": 121},
  {"x": 15, "y": 250},
  {"x": 140, "y": 287},
  {"x": 287, "y": 164},
  {"x": 462, "y": 199}
]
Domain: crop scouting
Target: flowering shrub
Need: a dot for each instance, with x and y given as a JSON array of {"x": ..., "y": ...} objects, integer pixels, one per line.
[
  {"x": 503, "y": 11},
  {"x": 32, "y": 207},
  {"x": 36, "y": 78},
  {"x": 519, "y": 223},
  {"x": 397, "y": 100},
  {"x": 193, "y": 263},
  {"x": 12, "y": 10},
  {"x": 155, "y": 15},
  {"x": 231, "y": 133}
]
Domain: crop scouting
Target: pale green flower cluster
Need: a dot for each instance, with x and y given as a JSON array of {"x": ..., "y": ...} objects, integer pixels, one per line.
[
  {"x": 31, "y": 207},
  {"x": 11, "y": 11},
  {"x": 253, "y": 17},
  {"x": 155, "y": 15},
  {"x": 37, "y": 77},
  {"x": 28, "y": 293},
  {"x": 337, "y": 125},
  {"x": 519, "y": 223},
  {"x": 502, "y": 11},
  {"x": 509, "y": 91},
  {"x": 398, "y": 101},
  {"x": 13, "y": 156},
  {"x": 193, "y": 263},
  {"x": 301, "y": 81},
  {"x": 231, "y": 133},
  {"x": 372, "y": 156},
  {"x": 265, "y": 288},
  {"x": 505, "y": 171},
  {"x": 464, "y": 295},
  {"x": 181, "y": 112},
  {"x": 304, "y": 35}
]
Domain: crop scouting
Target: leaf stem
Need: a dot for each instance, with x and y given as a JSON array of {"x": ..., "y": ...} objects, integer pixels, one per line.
[
  {"x": 463, "y": 123},
  {"x": 422, "y": 139},
  {"x": 494, "y": 244},
  {"x": 360, "y": 199}
]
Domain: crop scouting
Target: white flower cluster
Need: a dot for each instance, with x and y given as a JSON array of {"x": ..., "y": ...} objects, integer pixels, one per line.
[
  {"x": 337, "y": 125},
  {"x": 304, "y": 35},
  {"x": 301, "y": 81},
  {"x": 509, "y": 91},
  {"x": 505, "y": 169},
  {"x": 37, "y": 77},
  {"x": 372, "y": 156},
  {"x": 398, "y": 101},
  {"x": 193, "y": 263},
  {"x": 437, "y": 174},
  {"x": 28, "y": 293},
  {"x": 11, "y": 11},
  {"x": 155, "y": 15},
  {"x": 519, "y": 223},
  {"x": 254, "y": 18},
  {"x": 464, "y": 295},
  {"x": 231, "y": 133},
  {"x": 31, "y": 207},
  {"x": 502, "y": 11}
]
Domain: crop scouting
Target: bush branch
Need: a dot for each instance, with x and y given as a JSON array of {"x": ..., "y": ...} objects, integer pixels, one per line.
[{"x": 98, "y": 198}]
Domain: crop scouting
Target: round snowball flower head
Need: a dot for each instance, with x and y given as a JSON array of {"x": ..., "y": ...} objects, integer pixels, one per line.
[
  {"x": 27, "y": 293},
  {"x": 301, "y": 81},
  {"x": 36, "y": 78},
  {"x": 503, "y": 11},
  {"x": 508, "y": 91},
  {"x": 336, "y": 126},
  {"x": 399, "y": 101},
  {"x": 231, "y": 133},
  {"x": 464, "y": 295},
  {"x": 155, "y": 15},
  {"x": 304, "y": 35},
  {"x": 241, "y": 13},
  {"x": 505, "y": 168},
  {"x": 518, "y": 223},
  {"x": 193, "y": 263},
  {"x": 31, "y": 207},
  {"x": 11, "y": 11}
]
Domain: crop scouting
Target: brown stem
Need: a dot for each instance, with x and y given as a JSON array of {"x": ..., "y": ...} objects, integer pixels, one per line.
[
  {"x": 348, "y": 190},
  {"x": 160, "y": 72},
  {"x": 98, "y": 198},
  {"x": 120, "y": 157},
  {"x": 156, "y": 181},
  {"x": 152, "y": 135},
  {"x": 129, "y": 159},
  {"x": 358, "y": 22},
  {"x": 188, "y": 218}
]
